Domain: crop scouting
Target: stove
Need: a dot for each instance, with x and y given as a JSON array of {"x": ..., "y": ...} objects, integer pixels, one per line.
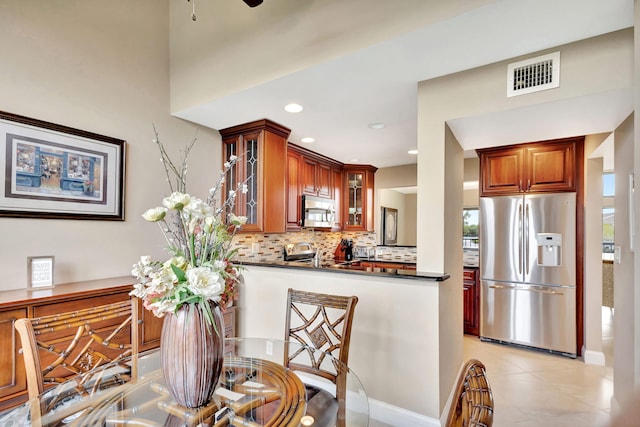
[{"x": 303, "y": 251}]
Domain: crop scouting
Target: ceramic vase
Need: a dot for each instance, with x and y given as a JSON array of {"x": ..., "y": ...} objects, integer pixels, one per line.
[{"x": 192, "y": 352}]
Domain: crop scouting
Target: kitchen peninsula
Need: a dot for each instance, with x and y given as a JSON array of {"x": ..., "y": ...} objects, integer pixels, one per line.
[{"x": 396, "y": 327}]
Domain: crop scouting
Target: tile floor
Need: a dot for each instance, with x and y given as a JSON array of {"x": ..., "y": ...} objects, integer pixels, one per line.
[{"x": 533, "y": 388}]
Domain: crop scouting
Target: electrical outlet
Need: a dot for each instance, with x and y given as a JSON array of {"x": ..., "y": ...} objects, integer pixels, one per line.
[
  {"x": 269, "y": 348},
  {"x": 255, "y": 248}
]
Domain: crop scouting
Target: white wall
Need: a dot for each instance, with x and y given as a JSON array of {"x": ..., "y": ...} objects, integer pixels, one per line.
[
  {"x": 397, "y": 177},
  {"x": 636, "y": 199},
  {"x": 102, "y": 67},
  {"x": 394, "y": 340},
  {"x": 405, "y": 203},
  {"x": 593, "y": 351},
  {"x": 624, "y": 321},
  {"x": 471, "y": 197},
  {"x": 451, "y": 300}
]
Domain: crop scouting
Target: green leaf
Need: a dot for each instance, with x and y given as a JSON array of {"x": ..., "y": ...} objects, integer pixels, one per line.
[{"x": 179, "y": 273}]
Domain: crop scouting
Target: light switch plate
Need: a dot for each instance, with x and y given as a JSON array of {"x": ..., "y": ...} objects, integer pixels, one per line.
[{"x": 616, "y": 254}]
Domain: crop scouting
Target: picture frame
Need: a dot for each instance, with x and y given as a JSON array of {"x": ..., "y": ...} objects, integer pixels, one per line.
[
  {"x": 59, "y": 172},
  {"x": 40, "y": 272},
  {"x": 389, "y": 226}
]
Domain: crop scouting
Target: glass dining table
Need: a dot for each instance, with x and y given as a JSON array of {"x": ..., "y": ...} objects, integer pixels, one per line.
[{"x": 255, "y": 389}]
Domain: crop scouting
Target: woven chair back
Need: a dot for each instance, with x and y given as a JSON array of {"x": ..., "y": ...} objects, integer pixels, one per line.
[
  {"x": 473, "y": 400},
  {"x": 62, "y": 346}
]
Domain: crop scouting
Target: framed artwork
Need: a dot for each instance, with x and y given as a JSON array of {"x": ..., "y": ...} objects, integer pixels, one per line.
[
  {"x": 54, "y": 171},
  {"x": 389, "y": 226},
  {"x": 40, "y": 272}
]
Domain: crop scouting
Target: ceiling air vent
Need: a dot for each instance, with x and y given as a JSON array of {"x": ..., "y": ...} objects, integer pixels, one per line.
[{"x": 533, "y": 75}]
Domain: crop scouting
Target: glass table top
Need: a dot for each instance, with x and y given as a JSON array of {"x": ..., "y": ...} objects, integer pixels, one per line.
[{"x": 255, "y": 389}]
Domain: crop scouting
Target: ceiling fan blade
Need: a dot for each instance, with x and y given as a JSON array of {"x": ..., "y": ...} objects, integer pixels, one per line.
[{"x": 252, "y": 3}]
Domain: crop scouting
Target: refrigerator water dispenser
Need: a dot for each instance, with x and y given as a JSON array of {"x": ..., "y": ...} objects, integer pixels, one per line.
[{"x": 549, "y": 249}]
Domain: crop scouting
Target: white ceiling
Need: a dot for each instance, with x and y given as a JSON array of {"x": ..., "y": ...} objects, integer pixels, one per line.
[{"x": 379, "y": 84}]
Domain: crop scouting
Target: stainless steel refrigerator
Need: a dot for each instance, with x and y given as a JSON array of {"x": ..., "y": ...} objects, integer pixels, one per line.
[{"x": 528, "y": 270}]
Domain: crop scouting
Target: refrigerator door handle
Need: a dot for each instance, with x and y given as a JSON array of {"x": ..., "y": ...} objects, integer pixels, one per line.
[
  {"x": 526, "y": 239},
  {"x": 524, "y": 288},
  {"x": 520, "y": 237}
]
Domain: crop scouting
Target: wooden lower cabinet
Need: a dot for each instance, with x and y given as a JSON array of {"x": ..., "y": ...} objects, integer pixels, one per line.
[
  {"x": 150, "y": 329},
  {"x": 13, "y": 379},
  {"x": 471, "y": 301},
  {"x": 63, "y": 298},
  {"x": 229, "y": 316}
]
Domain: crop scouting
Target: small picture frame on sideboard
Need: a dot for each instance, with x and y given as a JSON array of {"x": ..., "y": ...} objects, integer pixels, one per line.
[{"x": 40, "y": 272}]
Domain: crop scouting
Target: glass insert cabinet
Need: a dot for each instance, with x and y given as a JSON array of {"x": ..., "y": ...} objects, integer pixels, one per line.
[
  {"x": 262, "y": 148},
  {"x": 359, "y": 197}
]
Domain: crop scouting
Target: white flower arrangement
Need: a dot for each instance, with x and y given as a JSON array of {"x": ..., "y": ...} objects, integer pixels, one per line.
[{"x": 201, "y": 267}]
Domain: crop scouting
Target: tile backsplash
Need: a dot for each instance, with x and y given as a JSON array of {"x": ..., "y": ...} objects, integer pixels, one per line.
[
  {"x": 261, "y": 247},
  {"x": 397, "y": 253}
]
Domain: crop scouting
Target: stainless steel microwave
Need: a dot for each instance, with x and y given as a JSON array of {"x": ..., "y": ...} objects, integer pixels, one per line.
[{"x": 318, "y": 212}]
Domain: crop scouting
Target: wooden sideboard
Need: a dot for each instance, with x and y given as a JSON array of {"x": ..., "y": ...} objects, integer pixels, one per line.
[{"x": 21, "y": 303}]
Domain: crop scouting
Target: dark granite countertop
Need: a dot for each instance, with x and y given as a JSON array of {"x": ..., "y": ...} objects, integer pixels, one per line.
[
  {"x": 352, "y": 268},
  {"x": 390, "y": 260}
]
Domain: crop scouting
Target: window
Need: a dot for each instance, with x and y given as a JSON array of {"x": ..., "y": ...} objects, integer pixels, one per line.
[
  {"x": 608, "y": 184},
  {"x": 470, "y": 228}
]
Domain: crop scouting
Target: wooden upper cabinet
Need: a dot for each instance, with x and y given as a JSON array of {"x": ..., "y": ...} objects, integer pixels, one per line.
[
  {"x": 315, "y": 177},
  {"x": 539, "y": 167},
  {"x": 324, "y": 185},
  {"x": 551, "y": 167},
  {"x": 262, "y": 148},
  {"x": 294, "y": 190},
  {"x": 358, "y": 198},
  {"x": 310, "y": 173},
  {"x": 338, "y": 193},
  {"x": 308, "y": 176},
  {"x": 502, "y": 171}
]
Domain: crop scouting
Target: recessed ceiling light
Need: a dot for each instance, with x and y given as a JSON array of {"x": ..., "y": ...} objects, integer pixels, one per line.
[
  {"x": 412, "y": 151},
  {"x": 307, "y": 139},
  {"x": 353, "y": 161},
  {"x": 293, "y": 108},
  {"x": 376, "y": 125}
]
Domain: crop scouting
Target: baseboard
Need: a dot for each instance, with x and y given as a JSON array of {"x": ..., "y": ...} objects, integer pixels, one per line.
[
  {"x": 378, "y": 410},
  {"x": 399, "y": 417},
  {"x": 594, "y": 358}
]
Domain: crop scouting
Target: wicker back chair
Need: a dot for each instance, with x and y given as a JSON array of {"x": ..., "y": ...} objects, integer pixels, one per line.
[
  {"x": 472, "y": 404},
  {"x": 323, "y": 322},
  {"x": 61, "y": 346}
]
